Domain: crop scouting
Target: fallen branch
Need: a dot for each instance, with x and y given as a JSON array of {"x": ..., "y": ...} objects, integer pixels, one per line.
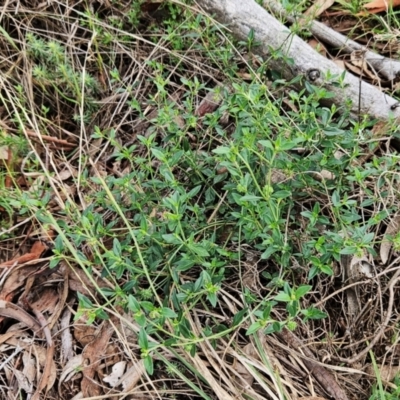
[
  {"x": 244, "y": 17},
  {"x": 386, "y": 67}
]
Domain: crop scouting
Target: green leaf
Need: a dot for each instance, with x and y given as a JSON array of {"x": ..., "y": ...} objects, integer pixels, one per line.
[
  {"x": 147, "y": 305},
  {"x": 250, "y": 197},
  {"x": 368, "y": 238},
  {"x": 212, "y": 298},
  {"x": 268, "y": 252},
  {"x": 254, "y": 327},
  {"x": 143, "y": 340},
  {"x": 198, "y": 249},
  {"x": 301, "y": 291},
  {"x": 168, "y": 313},
  {"x": 282, "y": 296},
  {"x": 336, "y": 199},
  {"x": 100, "y": 313},
  {"x": 326, "y": 269},
  {"x": 237, "y": 319},
  {"x": 349, "y": 250},
  {"x": 158, "y": 154},
  {"x": 171, "y": 238},
  {"x": 292, "y": 308},
  {"x": 307, "y": 214},
  {"x": 117, "y": 247},
  {"x": 149, "y": 365},
  {"x": 313, "y": 272},
  {"x": 313, "y": 313},
  {"x": 84, "y": 301},
  {"x": 266, "y": 143},
  {"x": 281, "y": 194},
  {"x": 222, "y": 150},
  {"x": 194, "y": 191},
  {"x": 184, "y": 264},
  {"x": 133, "y": 304}
]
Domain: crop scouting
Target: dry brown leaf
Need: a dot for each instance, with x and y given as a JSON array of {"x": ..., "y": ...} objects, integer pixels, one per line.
[
  {"x": 15, "y": 280},
  {"x": 78, "y": 396},
  {"x": 318, "y": 46},
  {"x": 387, "y": 372},
  {"x": 92, "y": 354},
  {"x": 84, "y": 333},
  {"x": 54, "y": 318},
  {"x": 13, "y": 311},
  {"x": 23, "y": 381},
  {"x": 37, "y": 249},
  {"x": 340, "y": 63},
  {"x": 319, "y": 7},
  {"x": 29, "y": 367},
  {"x": 358, "y": 60},
  {"x": 66, "y": 337},
  {"x": 210, "y": 103},
  {"x": 377, "y": 6},
  {"x": 46, "y": 380},
  {"x": 4, "y": 152},
  {"x": 386, "y": 245},
  {"x": 40, "y": 354},
  {"x": 47, "y": 300}
]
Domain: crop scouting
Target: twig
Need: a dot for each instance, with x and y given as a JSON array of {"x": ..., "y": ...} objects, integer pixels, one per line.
[{"x": 386, "y": 67}]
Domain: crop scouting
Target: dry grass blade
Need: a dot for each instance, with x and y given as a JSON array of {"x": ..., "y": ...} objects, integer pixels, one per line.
[{"x": 201, "y": 366}]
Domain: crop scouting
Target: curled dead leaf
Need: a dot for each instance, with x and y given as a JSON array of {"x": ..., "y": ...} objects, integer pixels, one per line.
[
  {"x": 386, "y": 245},
  {"x": 118, "y": 370}
]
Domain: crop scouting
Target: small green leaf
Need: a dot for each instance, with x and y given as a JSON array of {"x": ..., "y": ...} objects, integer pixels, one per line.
[
  {"x": 194, "y": 191},
  {"x": 222, "y": 150},
  {"x": 199, "y": 250},
  {"x": 171, "y": 238},
  {"x": 254, "y": 327},
  {"x": 143, "y": 340},
  {"x": 212, "y": 298},
  {"x": 168, "y": 313},
  {"x": 302, "y": 290},
  {"x": 149, "y": 365},
  {"x": 158, "y": 154},
  {"x": 282, "y": 296},
  {"x": 117, "y": 247},
  {"x": 313, "y": 313},
  {"x": 237, "y": 319},
  {"x": 266, "y": 143},
  {"x": 292, "y": 308}
]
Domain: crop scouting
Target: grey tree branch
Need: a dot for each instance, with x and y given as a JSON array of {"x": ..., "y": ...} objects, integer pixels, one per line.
[
  {"x": 242, "y": 17},
  {"x": 386, "y": 67}
]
